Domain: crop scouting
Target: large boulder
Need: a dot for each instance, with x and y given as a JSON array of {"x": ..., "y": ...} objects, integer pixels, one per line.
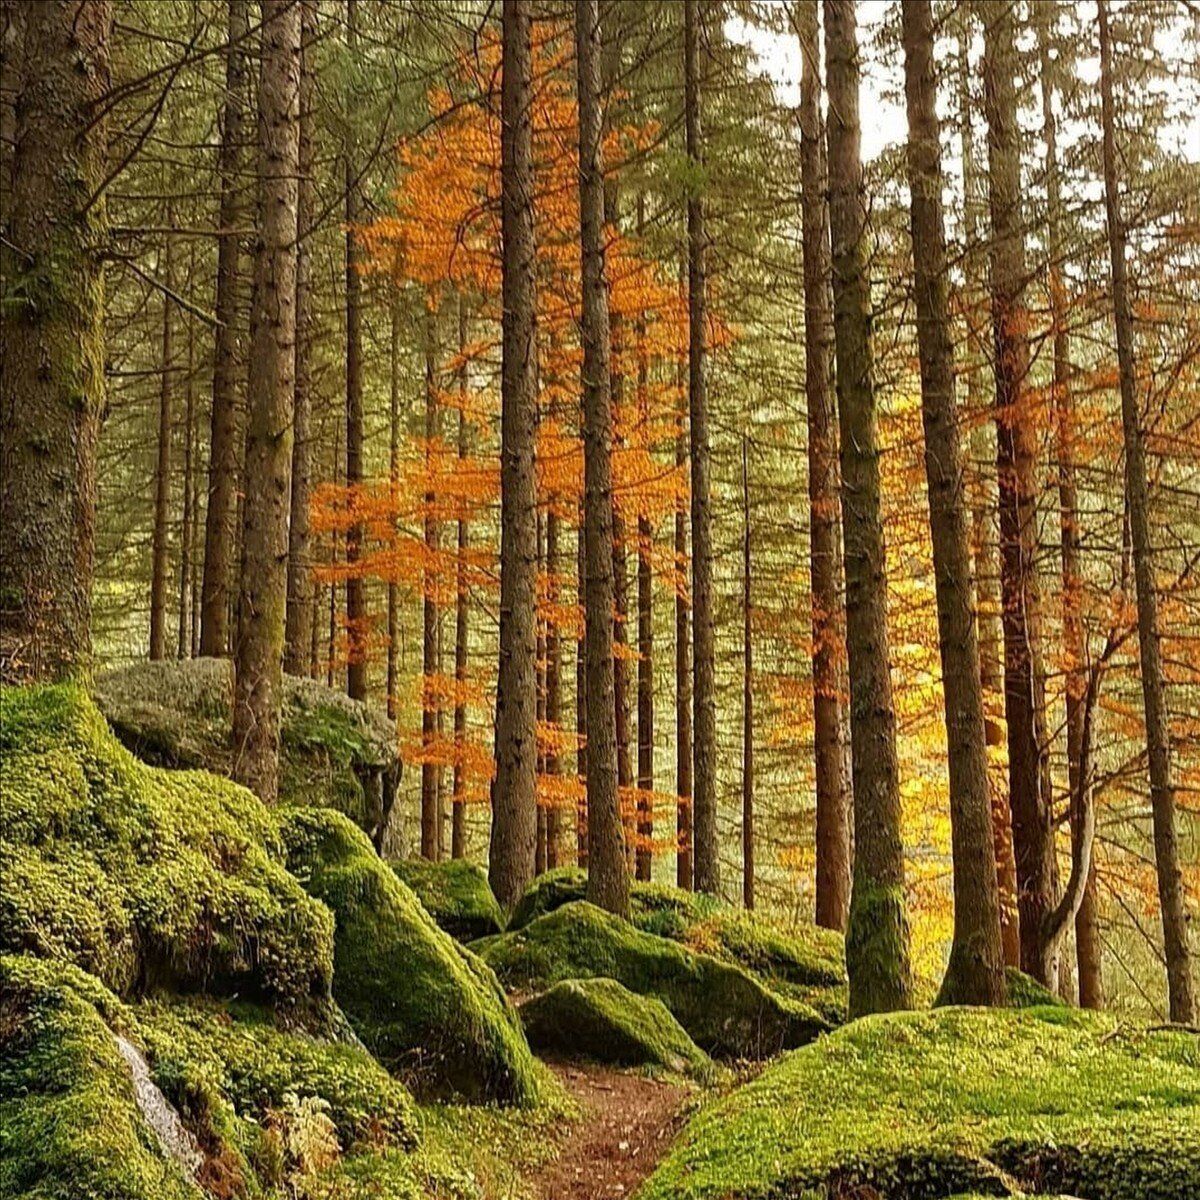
[
  {"x": 996, "y": 1102},
  {"x": 600, "y": 1020},
  {"x": 424, "y": 1005},
  {"x": 143, "y": 877},
  {"x": 726, "y": 1010},
  {"x": 456, "y": 894},
  {"x": 334, "y": 751}
]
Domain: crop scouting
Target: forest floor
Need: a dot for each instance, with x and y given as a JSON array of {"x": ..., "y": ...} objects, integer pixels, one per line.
[{"x": 627, "y": 1123}]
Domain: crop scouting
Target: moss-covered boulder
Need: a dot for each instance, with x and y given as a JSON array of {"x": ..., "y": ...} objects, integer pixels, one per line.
[
  {"x": 546, "y": 892},
  {"x": 1002, "y": 1102},
  {"x": 726, "y": 1010},
  {"x": 421, "y": 1003},
  {"x": 600, "y": 1020},
  {"x": 456, "y": 894},
  {"x": 144, "y": 878},
  {"x": 1025, "y": 992},
  {"x": 334, "y": 751}
]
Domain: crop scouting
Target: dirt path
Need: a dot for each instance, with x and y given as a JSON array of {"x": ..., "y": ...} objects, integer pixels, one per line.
[{"x": 627, "y": 1126}]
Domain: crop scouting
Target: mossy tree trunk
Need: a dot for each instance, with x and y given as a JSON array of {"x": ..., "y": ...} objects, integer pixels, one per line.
[
  {"x": 877, "y": 952},
  {"x": 975, "y": 974},
  {"x": 263, "y": 594},
  {"x": 608, "y": 882},
  {"x": 52, "y": 329},
  {"x": 514, "y": 790}
]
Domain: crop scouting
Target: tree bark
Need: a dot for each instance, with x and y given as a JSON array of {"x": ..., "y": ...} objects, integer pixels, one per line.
[
  {"x": 683, "y": 674},
  {"x": 458, "y": 799},
  {"x": 706, "y": 864},
  {"x": 188, "y": 522},
  {"x": 608, "y": 883},
  {"x": 1180, "y": 982},
  {"x": 747, "y": 690},
  {"x": 263, "y": 597},
  {"x": 159, "y": 548},
  {"x": 52, "y": 363},
  {"x": 645, "y": 671},
  {"x": 975, "y": 974},
  {"x": 226, "y": 434},
  {"x": 393, "y": 590},
  {"x": 553, "y": 702},
  {"x": 831, "y": 743},
  {"x": 877, "y": 943},
  {"x": 581, "y": 685},
  {"x": 430, "y": 617},
  {"x": 514, "y": 792}
]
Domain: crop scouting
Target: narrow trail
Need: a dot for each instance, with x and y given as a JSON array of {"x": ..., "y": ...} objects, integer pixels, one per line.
[{"x": 627, "y": 1125}]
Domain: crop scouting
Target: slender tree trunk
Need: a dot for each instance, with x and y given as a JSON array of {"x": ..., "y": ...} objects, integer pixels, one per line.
[
  {"x": 159, "y": 548},
  {"x": 1180, "y": 981},
  {"x": 831, "y": 743},
  {"x": 683, "y": 673},
  {"x": 300, "y": 609},
  {"x": 645, "y": 578},
  {"x": 458, "y": 798},
  {"x": 1016, "y": 462},
  {"x": 187, "y": 524},
  {"x": 539, "y": 855},
  {"x": 975, "y": 974},
  {"x": 514, "y": 792},
  {"x": 263, "y": 600},
  {"x": 581, "y": 684},
  {"x": 226, "y": 434},
  {"x": 553, "y": 686},
  {"x": 608, "y": 883},
  {"x": 747, "y": 690},
  {"x": 430, "y": 703},
  {"x": 393, "y": 590},
  {"x": 334, "y": 555},
  {"x": 52, "y": 362},
  {"x": 706, "y": 860},
  {"x": 877, "y": 954}
]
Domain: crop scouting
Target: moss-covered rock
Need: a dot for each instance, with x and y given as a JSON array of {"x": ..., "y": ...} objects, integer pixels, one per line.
[
  {"x": 1025, "y": 992},
  {"x": 598, "y": 1019},
  {"x": 546, "y": 892},
  {"x": 334, "y": 751},
  {"x": 915, "y": 1105},
  {"x": 455, "y": 894},
  {"x": 726, "y": 1010},
  {"x": 144, "y": 877},
  {"x": 421, "y": 1003}
]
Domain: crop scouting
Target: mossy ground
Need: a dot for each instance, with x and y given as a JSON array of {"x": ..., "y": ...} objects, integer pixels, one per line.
[
  {"x": 455, "y": 894},
  {"x": 725, "y": 1009},
  {"x": 916, "y": 1105}
]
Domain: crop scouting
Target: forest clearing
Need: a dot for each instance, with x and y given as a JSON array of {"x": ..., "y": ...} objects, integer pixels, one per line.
[{"x": 599, "y": 598}]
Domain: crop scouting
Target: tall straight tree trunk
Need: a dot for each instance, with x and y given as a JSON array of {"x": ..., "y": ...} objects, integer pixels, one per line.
[
  {"x": 831, "y": 743},
  {"x": 430, "y": 618},
  {"x": 1180, "y": 982},
  {"x": 514, "y": 791},
  {"x": 263, "y": 598},
  {"x": 1016, "y": 463},
  {"x": 877, "y": 951},
  {"x": 984, "y": 550},
  {"x": 975, "y": 974},
  {"x": 553, "y": 765},
  {"x": 539, "y": 856},
  {"x": 226, "y": 432},
  {"x": 159, "y": 548},
  {"x": 300, "y": 608},
  {"x": 187, "y": 523},
  {"x": 356, "y": 611},
  {"x": 334, "y": 555},
  {"x": 683, "y": 673},
  {"x": 747, "y": 690},
  {"x": 49, "y": 418},
  {"x": 458, "y": 798},
  {"x": 581, "y": 685},
  {"x": 645, "y": 671},
  {"x": 608, "y": 883},
  {"x": 393, "y": 590},
  {"x": 706, "y": 865}
]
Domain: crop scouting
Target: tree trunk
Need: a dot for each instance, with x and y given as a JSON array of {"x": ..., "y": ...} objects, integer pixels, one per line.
[
  {"x": 52, "y": 372},
  {"x": 334, "y": 554},
  {"x": 645, "y": 672},
  {"x": 1016, "y": 463},
  {"x": 430, "y": 703},
  {"x": 458, "y": 799},
  {"x": 877, "y": 956},
  {"x": 683, "y": 674},
  {"x": 553, "y": 686},
  {"x": 226, "y": 434},
  {"x": 706, "y": 854},
  {"x": 159, "y": 549},
  {"x": 300, "y": 611},
  {"x": 747, "y": 691},
  {"x": 608, "y": 883},
  {"x": 263, "y": 597},
  {"x": 188, "y": 522},
  {"x": 393, "y": 590},
  {"x": 514, "y": 792},
  {"x": 581, "y": 685},
  {"x": 975, "y": 974},
  {"x": 831, "y": 744},
  {"x": 1180, "y": 983}
]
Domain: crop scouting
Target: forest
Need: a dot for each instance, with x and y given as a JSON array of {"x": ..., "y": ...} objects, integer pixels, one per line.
[{"x": 599, "y": 598}]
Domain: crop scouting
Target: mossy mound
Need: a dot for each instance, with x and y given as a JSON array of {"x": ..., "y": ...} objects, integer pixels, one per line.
[
  {"x": 598, "y": 1019},
  {"x": 144, "y": 878},
  {"x": 915, "y": 1105},
  {"x": 727, "y": 1011},
  {"x": 333, "y": 750},
  {"x": 455, "y": 894},
  {"x": 1025, "y": 992},
  {"x": 422, "y": 1004},
  {"x": 546, "y": 892}
]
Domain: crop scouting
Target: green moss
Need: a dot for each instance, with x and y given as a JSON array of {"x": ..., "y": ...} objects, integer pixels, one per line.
[
  {"x": 1025, "y": 992},
  {"x": 726, "y": 1010},
  {"x": 909, "y": 1105},
  {"x": 70, "y": 1126},
  {"x": 422, "y": 1004},
  {"x": 599, "y": 1019},
  {"x": 141, "y": 876},
  {"x": 455, "y": 894},
  {"x": 548, "y": 891},
  {"x": 877, "y": 946}
]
